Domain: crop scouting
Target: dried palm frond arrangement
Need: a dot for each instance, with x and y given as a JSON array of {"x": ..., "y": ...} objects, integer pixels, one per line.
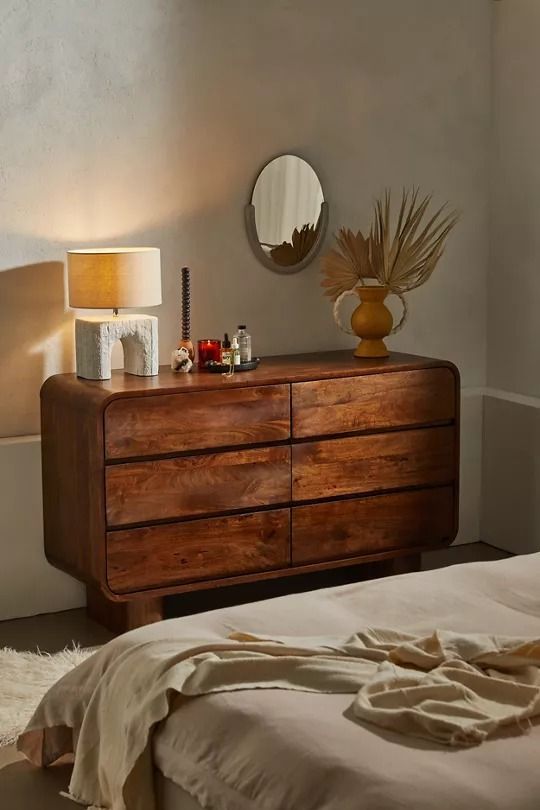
[
  {"x": 348, "y": 264},
  {"x": 290, "y": 253},
  {"x": 400, "y": 258}
]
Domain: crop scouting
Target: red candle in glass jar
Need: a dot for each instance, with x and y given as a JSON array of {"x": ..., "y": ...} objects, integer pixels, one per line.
[{"x": 208, "y": 349}]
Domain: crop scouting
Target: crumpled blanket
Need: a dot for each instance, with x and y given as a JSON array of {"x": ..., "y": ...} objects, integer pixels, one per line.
[{"x": 454, "y": 689}]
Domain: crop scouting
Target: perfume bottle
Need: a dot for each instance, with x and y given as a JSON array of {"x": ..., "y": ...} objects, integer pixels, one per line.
[
  {"x": 244, "y": 343},
  {"x": 226, "y": 352},
  {"x": 235, "y": 350}
]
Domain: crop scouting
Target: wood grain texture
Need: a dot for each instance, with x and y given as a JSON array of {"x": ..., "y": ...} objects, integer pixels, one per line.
[
  {"x": 72, "y": 480},
  {"x": 260, "y": 576},
  {"x": 337, "y": 529},
  {"x": 271, "y": 371},
  {"x": 194, "y": 421},
  {"x": 373, "y": 402},
  {"x": 199, "y": 549},
  {"x": 122, "y": 616},
  {"x": 138, "y": 492},
  {"x": 363, "y": 464},
  {"x": 99, "y": 498}
]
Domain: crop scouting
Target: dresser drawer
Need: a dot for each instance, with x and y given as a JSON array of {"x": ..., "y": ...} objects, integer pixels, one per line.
[
  {"x": 160, "y": 556},
  {"x": 373, "y": 402},
  {"x": 337, "y": 529},
  {"x": 171, "y": 423},
  {"x": 143, "y": 491},
  {"x": 362, "y": 464}
]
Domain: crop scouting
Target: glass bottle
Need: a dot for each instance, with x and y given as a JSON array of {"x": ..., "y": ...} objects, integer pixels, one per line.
[
  {"x": 235, "y": 349},
  {"x": 226, "y": 353},
  {"x": 244, "y": 343}
]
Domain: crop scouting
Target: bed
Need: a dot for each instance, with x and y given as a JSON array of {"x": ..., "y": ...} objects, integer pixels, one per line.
[{"x": 285, "y": 750}]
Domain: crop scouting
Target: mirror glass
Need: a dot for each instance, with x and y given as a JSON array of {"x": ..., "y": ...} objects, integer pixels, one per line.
[{"x": 288, "y": 201}]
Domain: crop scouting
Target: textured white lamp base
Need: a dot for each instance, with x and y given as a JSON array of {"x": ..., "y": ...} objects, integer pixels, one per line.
[{"x": 96, "y": 335}]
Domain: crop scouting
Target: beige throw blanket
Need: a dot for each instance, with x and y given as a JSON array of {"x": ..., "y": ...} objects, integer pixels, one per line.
[{"x": 448, "y": 688}]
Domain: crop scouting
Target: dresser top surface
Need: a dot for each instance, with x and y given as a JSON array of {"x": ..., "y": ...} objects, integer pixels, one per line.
[{"x": 272, "y": 370}]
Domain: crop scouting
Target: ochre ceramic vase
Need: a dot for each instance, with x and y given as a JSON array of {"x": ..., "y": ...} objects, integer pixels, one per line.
[{"x": 372, "y": 321}]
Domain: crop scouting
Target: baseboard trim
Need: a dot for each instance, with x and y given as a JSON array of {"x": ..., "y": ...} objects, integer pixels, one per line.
[
  {"x": 509, "y": 396},
  {"x": 9, "y": 440}
]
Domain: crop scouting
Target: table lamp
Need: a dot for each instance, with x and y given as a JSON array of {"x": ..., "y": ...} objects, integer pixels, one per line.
[{"x": 115, "y": 278}]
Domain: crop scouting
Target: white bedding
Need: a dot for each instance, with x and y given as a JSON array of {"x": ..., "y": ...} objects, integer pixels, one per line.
[
  {"x": 273, "y": 749},
  {"x": 305, "y": 755}
]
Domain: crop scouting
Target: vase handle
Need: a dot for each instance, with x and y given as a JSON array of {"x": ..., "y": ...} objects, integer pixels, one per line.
[
  {"x": 348, "y": 331},
  {"x": 337, "y": 304},
  {"x": 404, "y": 315}
]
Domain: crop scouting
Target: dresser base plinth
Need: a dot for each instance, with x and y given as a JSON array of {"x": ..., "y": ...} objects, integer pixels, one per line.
[
  {"x": 404, "y": 564},
  {"x": 119, "y": 617}
]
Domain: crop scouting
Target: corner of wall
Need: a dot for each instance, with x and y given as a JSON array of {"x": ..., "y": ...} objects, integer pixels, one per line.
[
  {"x": 470, "y": 466},
  {"x": 510, "y": 503}
]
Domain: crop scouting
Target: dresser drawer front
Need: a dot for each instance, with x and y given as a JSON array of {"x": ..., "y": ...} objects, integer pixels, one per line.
[
  {"x": 143, "y": 491},
  {"x": 363, "y": 464},
  {"x": 337, "y": 529},
  {"x": 373, "y": 402},
  {"x": 161, "y": 556},
  {"x": 173, "y": 423}
]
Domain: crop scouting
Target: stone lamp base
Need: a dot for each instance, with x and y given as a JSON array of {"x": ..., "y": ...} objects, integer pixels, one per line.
[{"x": 96, "y": 335}]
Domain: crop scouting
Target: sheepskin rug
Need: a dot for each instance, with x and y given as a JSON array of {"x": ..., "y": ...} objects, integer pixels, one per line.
[{"x": 24, "y": 679}]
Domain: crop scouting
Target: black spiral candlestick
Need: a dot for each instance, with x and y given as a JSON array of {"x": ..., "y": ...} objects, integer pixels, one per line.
[
  {"x": 185, "y": 341},
  {"x": 186, "y": 304}
]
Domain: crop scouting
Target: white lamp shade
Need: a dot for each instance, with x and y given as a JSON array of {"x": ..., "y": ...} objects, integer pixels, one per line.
[{"x": 114, "y": 278}]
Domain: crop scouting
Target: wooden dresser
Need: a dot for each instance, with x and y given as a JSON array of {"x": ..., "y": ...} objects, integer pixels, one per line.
[{"x": 159, "y": 485}]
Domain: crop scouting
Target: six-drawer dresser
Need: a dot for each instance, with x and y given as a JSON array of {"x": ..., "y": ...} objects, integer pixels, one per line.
[{"x": 159, "y": 485}]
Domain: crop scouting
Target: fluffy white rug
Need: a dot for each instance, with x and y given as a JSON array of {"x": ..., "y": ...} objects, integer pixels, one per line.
[{"x": 24, "y": 679}]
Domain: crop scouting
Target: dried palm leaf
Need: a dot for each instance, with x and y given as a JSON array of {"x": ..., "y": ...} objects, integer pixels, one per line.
[
  {"x": 348, "y": 264},
  {"x": 290, "y": 253},
  {"x": 406, "y": 259}
]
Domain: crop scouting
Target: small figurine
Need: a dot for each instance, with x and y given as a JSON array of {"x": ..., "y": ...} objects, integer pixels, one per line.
[{"x": 181, "y": 361}]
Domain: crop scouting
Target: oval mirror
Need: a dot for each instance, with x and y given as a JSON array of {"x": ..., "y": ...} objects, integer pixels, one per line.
[{"x": 287, "y": 216}]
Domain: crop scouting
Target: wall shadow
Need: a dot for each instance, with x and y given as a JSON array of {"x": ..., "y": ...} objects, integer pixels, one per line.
[{"x": 36, "y": 339}]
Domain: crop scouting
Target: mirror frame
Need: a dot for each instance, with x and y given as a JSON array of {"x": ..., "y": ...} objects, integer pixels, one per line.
[{"x": 253, "y": 238}]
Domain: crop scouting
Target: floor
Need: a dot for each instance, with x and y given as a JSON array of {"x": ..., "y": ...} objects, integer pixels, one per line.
[
  {"x": 51, "y": 632},
  {"x": 23, "y": 787}
]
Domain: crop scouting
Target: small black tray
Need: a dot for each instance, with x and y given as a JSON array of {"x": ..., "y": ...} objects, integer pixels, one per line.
[{"x": 223, "y": 368}]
